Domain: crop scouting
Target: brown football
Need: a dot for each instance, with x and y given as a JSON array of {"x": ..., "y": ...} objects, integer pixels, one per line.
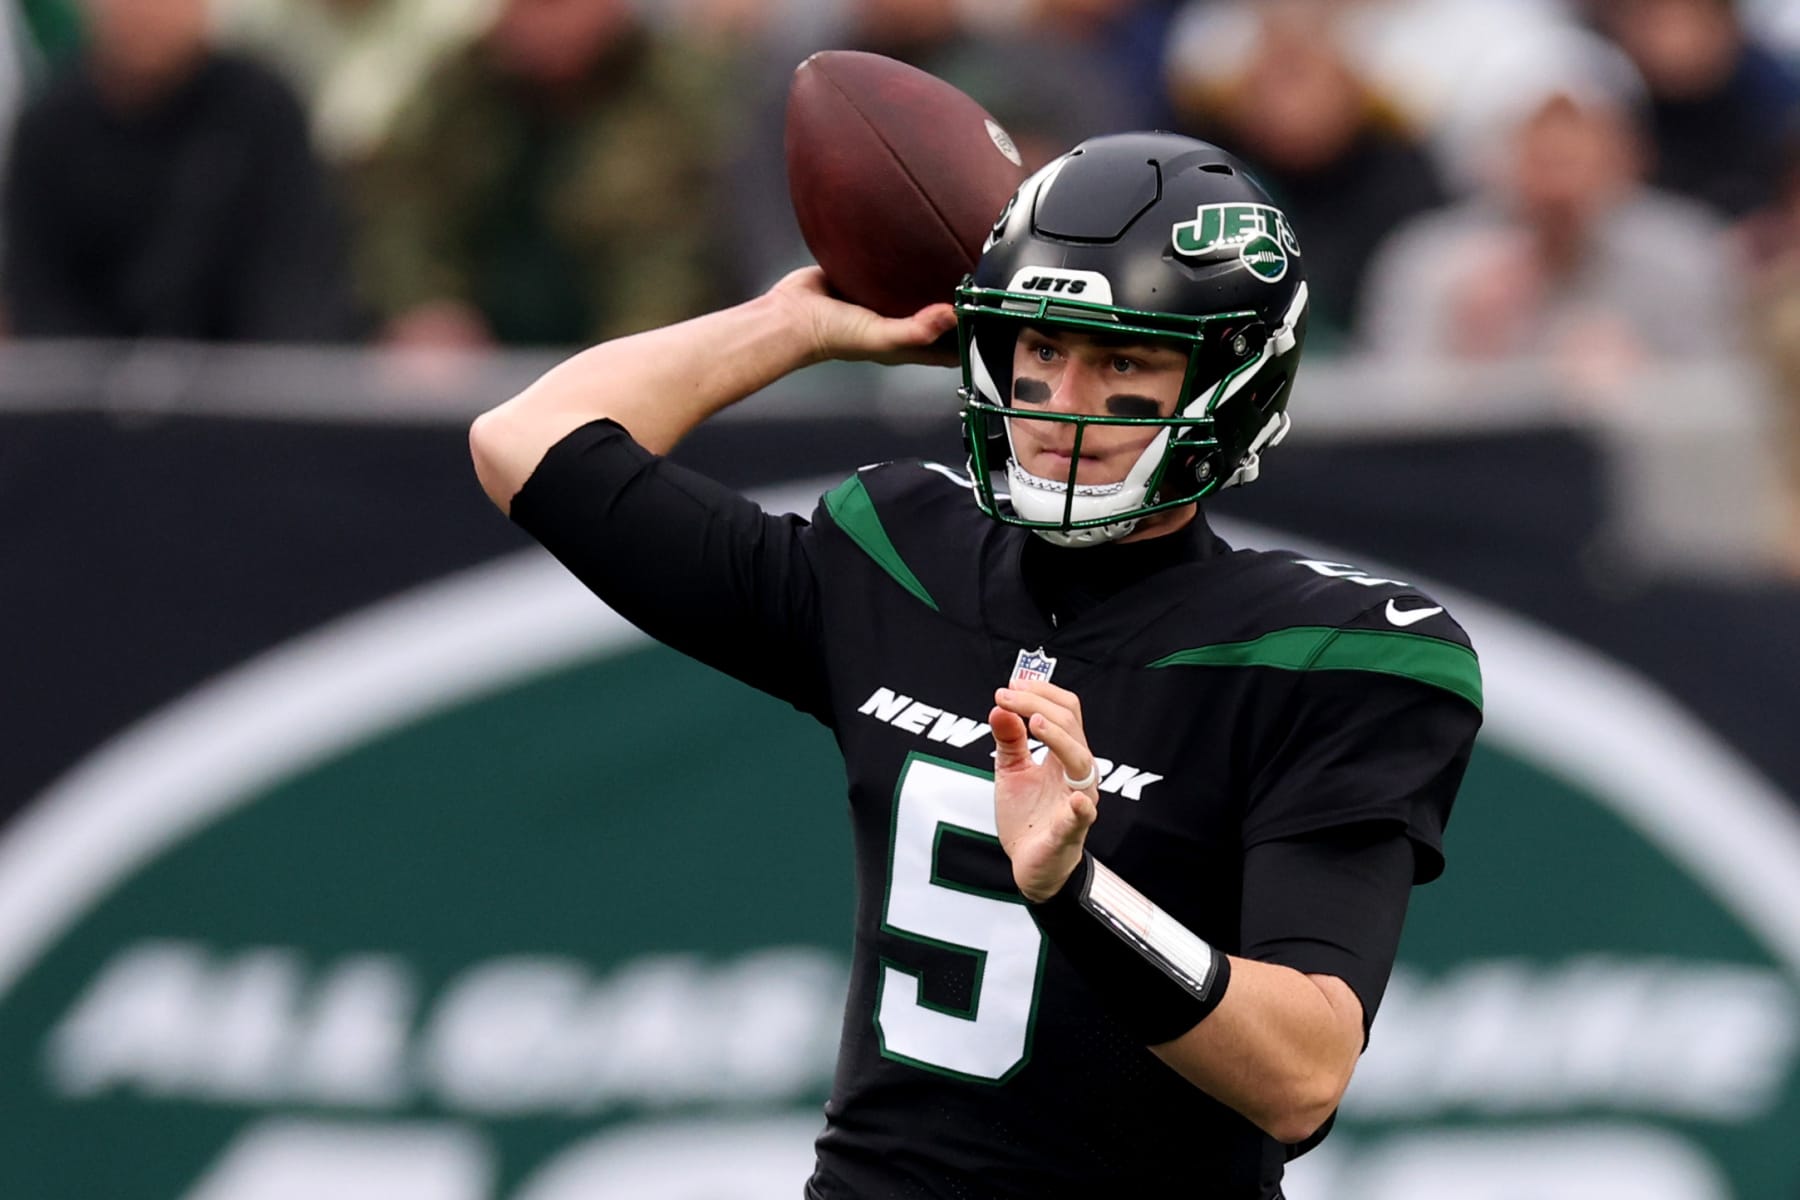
[{"x": 896, "y": 178}]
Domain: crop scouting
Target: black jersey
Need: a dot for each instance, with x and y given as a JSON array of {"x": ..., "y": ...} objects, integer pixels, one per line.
[{"x": 1233, "y": 698}]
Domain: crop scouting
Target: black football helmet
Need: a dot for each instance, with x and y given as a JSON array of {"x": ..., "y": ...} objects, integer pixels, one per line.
[{"x": 1152, "y": 236}]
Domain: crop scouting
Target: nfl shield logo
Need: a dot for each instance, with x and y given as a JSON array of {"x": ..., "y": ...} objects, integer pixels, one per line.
[{"x": 1033, "y": 664}]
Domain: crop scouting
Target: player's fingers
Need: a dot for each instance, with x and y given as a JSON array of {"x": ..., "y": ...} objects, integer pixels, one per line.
[
  {"x": 1085, "y": 810},
  {"x": 1029, "y": 704},
  {"x": 1012, "y": 748},
  {"x": 927, "y": 338},
  {"x": 1058, "y": 695},
  {"x": 936, "y": 317},
  {"x": 1070, "y": 751},
  {"x": 923, "y": 327},
  {"x": 1072, "y": 824}
]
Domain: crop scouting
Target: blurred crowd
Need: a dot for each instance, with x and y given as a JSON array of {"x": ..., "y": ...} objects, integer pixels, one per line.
[{"x": 1601, "y": 184}]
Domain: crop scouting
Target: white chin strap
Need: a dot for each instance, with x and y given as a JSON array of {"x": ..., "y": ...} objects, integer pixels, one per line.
[
  {"x": 1038, "y": 499},
  {"x": 1270, "y": 434}
]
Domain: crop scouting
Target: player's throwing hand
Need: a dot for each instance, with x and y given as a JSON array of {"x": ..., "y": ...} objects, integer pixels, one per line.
[
  {"x": 837, "y": 329},
  {"x": 1043, "y": 810}
]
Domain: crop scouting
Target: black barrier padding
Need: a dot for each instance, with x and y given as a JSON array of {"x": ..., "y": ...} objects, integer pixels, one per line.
[
  {"x": 142, "y": 557},
  {"x": 756, "y": 454},
  {"x": 1520, "y": 517},
  {"x": 1729, "y": 653}
]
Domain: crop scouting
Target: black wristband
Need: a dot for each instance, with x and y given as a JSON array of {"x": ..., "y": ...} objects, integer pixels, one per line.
[{"x": 1152, "y": 973}]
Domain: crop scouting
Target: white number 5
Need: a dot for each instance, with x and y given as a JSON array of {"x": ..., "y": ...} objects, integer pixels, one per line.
[{"x": 991, "y": 1038}]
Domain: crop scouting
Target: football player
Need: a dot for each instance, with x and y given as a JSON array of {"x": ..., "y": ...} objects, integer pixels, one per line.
[{"x": 1136, "y": 814}]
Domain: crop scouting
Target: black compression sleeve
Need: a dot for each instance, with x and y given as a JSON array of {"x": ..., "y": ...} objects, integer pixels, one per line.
[
  {"x": 685, "y": 559},
  {"x": 1330, "y": 903}
]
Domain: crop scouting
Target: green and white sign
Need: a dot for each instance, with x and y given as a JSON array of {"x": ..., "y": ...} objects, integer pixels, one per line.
[{"x": 477, "y": 896}]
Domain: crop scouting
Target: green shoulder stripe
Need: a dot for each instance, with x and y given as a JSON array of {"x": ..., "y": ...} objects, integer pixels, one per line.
[
  {"x": 1428, "y": 660},
  {"x": 850, "y": 506}
]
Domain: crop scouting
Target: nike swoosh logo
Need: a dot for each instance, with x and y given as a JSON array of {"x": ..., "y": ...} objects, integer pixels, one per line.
[{"x": 1411, "y": 616}]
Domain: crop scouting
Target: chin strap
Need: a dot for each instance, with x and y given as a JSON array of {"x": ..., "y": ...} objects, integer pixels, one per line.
[
  {"x": 1097, "y": 535},
  {"x": 1038, "y": 499},
  {"x": 1250, "y": 467}
]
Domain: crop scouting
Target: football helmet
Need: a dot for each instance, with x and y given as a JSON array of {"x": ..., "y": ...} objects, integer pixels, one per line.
[{"x": 1147, "y": 236}]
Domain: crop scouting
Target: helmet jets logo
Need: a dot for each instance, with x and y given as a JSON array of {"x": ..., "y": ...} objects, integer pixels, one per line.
[
  {"x": 1259, "y": 233},
  {"x": 1265, "y": 257}
]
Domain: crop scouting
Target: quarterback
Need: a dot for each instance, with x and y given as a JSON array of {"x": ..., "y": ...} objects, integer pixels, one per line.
[{"x": 1136, "y": 813}]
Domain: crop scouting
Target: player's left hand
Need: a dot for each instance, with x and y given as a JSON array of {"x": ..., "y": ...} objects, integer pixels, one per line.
[{"x": 1042, "y": 821}]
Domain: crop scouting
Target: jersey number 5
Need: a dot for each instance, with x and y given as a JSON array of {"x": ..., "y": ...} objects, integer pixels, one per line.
[{"x": 991, "y": 1039}]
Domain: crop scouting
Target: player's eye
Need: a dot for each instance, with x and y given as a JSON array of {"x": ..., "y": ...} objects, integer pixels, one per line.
[
  {"x": 1122, "y": 365},
  {"x": 1044, "y": 352}
]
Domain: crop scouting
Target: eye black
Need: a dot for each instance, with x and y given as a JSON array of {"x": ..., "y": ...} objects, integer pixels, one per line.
[{"x": 1133, "y": 406}]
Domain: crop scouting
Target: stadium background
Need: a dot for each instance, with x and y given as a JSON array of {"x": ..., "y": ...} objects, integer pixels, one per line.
[{"x": 349, "y": 850}]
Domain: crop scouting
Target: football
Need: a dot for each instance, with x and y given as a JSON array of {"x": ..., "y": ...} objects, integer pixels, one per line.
[{"x": 896, "y": 178}]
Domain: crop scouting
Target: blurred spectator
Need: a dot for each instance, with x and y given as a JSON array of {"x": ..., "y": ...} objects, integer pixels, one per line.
[
  {"x": 549, "y": 186},
  {"x": 1043, "y": 73},
  {"x": 54, "y": 28},
  {"x": 1134, "y": 34},
  {"x": 157, "y": 189},
  {"x": 354, "y": 62},
  {"x": 1335, "y": 155},
  {"x": 14, "y": 48},
  {"x": 1429, "y": 58},
  {"x": 1773, "y": 241},
  {"x": 755, "y": 46},
  {"x": 909, "y": 30},
  {"x": 1777, "y": 23},
  {"x": 746, "y": 24},
  {"x": 1566, "y": 253},
  {"x": 1718, "y": 99},
  {"x": 1124, "y": 38},
  {"x": 1048, "y": 90},
  {"x": 17, "y": 56}
]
